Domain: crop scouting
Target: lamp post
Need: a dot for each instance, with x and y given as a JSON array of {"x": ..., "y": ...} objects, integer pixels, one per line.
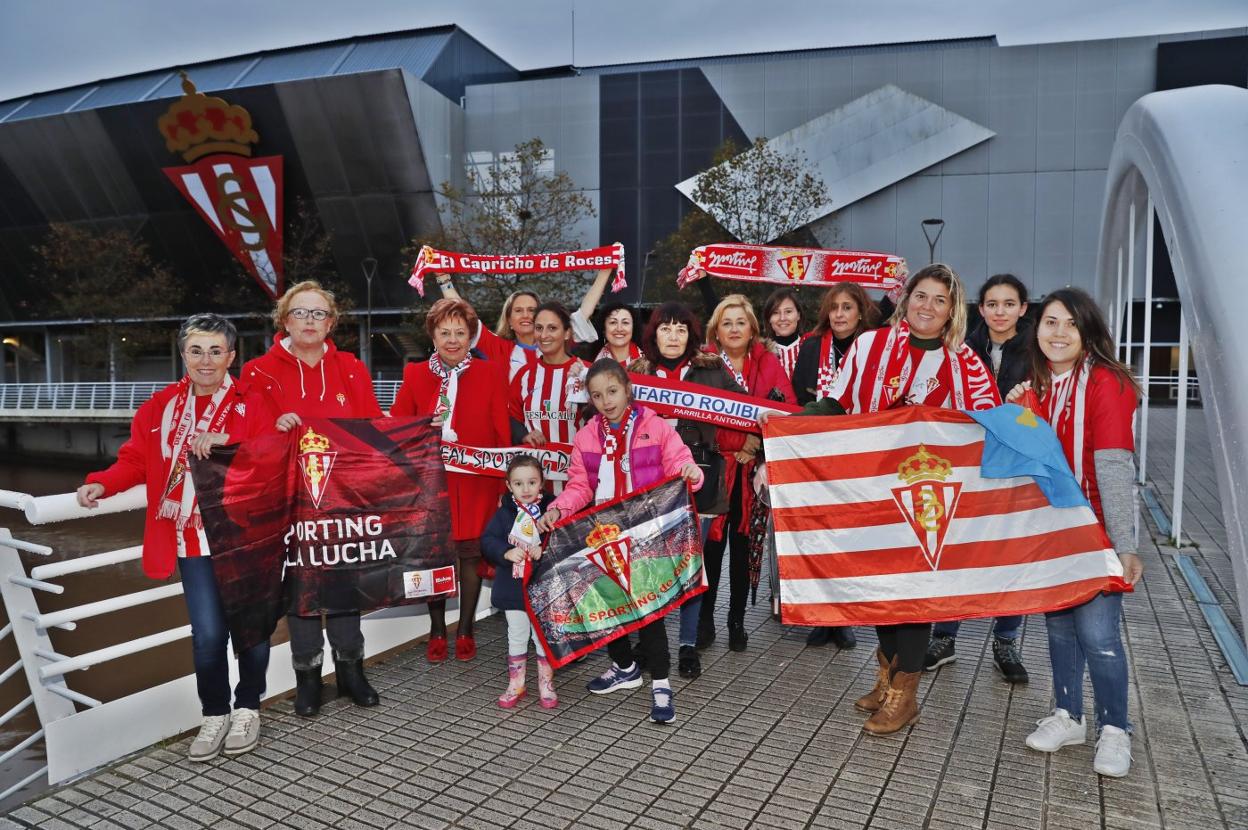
[
  {"x": 369, "y": 265},
  {"x": 930, "y": 225}
]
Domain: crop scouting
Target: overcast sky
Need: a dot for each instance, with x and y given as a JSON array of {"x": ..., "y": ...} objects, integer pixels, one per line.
[{"x": 51, "y": 44}]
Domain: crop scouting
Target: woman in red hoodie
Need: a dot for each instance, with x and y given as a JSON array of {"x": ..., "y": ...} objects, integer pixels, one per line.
[
  {"x": 733, "y": 333},
  {"x": 467, "y": 398},
  {"x": 306, "y": 377}
]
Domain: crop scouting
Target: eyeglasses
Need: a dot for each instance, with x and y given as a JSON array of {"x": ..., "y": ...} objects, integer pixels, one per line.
[
  {"x": 196, "y": 353},
  {"x": 317, "y": 314}
]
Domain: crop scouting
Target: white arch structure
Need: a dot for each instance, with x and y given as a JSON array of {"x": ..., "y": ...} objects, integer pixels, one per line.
[{"x": 1184, "y": 154}]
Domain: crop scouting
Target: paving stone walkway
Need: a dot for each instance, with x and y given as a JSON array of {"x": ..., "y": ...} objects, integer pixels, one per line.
[{"x": 766, "y": 738}]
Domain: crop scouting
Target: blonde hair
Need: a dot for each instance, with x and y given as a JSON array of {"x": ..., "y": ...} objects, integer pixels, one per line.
[
  {"x": 955, "y": 328},
  {"x": 503, "y": 329},
  {"x": 732, "y": 301},
  {"x": 286, "y": 300}
]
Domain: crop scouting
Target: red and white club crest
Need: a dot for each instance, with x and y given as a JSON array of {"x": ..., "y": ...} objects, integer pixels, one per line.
[
  {"x": 315, "y": 464},
  {"x": 795, "y": 266},
  {"x": 238, "y": 196},
  {"x": 612, "y": 553},
  {"x": 927, "y": 501}
]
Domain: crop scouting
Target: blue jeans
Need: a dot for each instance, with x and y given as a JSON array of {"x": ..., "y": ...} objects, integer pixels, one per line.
[
  {"x": 1090, "y": 633},
  {"x": 209, "y": 636},
  {"x": 1003, "y": 628},
  {"x": 690, "y": 611}
]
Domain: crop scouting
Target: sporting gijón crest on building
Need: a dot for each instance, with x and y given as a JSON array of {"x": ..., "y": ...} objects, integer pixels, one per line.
[{"x": 238, "y": 196}]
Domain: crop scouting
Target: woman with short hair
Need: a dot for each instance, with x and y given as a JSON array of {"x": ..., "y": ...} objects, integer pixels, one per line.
[
  {"x": 306, "y": 376},
  {"x": 467, "y": 400},
  {"x": 204, "y": 409}
]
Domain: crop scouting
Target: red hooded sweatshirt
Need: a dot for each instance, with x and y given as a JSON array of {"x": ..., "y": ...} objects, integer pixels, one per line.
[{"x": 338, "y": 386}]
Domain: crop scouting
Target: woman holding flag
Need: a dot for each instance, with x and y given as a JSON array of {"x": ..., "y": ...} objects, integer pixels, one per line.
[
  {"x": 734, "y": 335},
  {"x": 466, "y": 398},
  {"x": 1090, "y": 398},
  {"x": 919, "y": 359},
  {"x": 203, "y": 410},
  {"x": 307, "y": 377}
]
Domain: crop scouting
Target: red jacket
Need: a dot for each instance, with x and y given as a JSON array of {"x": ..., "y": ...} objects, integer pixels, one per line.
[
  {"x": 764, "y": 377},
  {"x": 139, "y": 461},
  {"x": 338, "y": 386},
  {"x": 479, "y": 420}
]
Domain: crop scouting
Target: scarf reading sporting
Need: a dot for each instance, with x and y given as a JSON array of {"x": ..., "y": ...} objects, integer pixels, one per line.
[
  {"x": 793, "y": 266},
  {"x": 178, "y": 426},
  {"x": 1065, "y": 407},
  {"x": 448, "y": 391},
  {"x": 614, "y": 569},
  {"x": 634, "y": 353},
  {"x": 880, "y": 371},
  {"x": 672, "y": 398},
  {"x": 351, "y": 514},
  {"x": 493, "y": 461},
  {"x": 430, "y": 261},
  {"x": 615, "y": 476}
]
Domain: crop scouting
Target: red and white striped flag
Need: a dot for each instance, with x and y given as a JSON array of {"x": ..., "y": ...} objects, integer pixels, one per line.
[{"x": 884, "y": 518}]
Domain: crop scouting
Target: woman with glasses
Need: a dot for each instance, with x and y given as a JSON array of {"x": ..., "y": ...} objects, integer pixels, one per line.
[
  {"x": 307, "y": 377},
  {"x": 204, "y": 409}
]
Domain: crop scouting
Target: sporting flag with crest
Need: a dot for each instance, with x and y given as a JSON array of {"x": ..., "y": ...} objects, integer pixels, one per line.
[
  {"x": 335, "y": 516},
  {"x": 614, "y": 569},
  {"x": 889, "y": 518}
]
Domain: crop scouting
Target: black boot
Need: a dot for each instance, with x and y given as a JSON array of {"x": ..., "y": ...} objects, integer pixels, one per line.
[
  {"x": 353, "y": 683},
  {"x": 843, "y": 637},
  {"x": 706, "y": 633},
  {"x": 689, "y": 663},
  {"x": 307, "y": 692},
  {"x": 737, "y": 638}
]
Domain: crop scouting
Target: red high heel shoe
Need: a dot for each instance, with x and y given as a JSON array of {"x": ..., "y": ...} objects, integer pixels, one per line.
[
  {"x": 435, "y": 650},
  {"x": 465, "y": 647}
]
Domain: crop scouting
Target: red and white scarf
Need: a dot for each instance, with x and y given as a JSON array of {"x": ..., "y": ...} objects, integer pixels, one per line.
[
  {"x": 739, "y": 377},
  {"x": 634, "y": 353},
  {"x": 886, "y": 375},
  {"x": 829, "y": 360},
  {"x": 615, "y": 476},
  {"x": 431, "y": 261},
  {"x": 448, "y": 392},
  {"x": 1065, "y": 407},
  {"x": 677, "y": 372},
  {"x": 178, "y": 426},
  {"x": 793, "y": 266}
]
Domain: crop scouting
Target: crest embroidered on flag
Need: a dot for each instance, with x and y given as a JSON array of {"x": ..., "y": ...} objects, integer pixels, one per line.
[
  {"x": 927, "y": 501},
  {"x": 315, "y": 463}
]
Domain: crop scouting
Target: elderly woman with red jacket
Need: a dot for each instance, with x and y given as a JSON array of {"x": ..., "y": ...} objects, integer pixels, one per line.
[
  {"x": 467, "y": 397},
  {"x": 734, "y": 334},
  {"x": 202, "y": 410}
]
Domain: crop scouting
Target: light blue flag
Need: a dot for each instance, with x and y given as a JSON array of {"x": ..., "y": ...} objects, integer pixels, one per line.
[{"x": 1018, "y": 443}]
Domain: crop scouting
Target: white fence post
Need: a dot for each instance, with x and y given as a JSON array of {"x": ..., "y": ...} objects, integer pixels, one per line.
[
  {"x": 1180, "y": 436},
  {"x": 1146, "y": 358}
]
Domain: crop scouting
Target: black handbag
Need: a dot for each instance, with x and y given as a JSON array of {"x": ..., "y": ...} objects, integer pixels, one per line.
[{"x": 711, "y": 463}]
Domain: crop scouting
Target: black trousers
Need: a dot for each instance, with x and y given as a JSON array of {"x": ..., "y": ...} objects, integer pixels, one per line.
[
  {"x": 906, "y": 642},
  {"x": 651, "y": 642},
  {"x": 307, "y": 643},
  {"x": 738, "y": 562}
]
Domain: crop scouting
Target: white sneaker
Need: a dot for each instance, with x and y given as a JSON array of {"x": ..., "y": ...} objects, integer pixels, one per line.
[
  {"x": 1056, "y": 731},
  {"x": 244, "y": 732},
  {"x": 207, "y": 744},
  {"x": 1113, "y": 752}
]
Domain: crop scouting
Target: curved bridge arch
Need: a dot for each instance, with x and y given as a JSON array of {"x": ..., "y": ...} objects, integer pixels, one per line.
[{"x": 1187, "y": 149}]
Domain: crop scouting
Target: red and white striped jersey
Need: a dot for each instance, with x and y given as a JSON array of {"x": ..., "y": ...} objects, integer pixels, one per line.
[
  {"x": 549, "y": 398},
  {"x": 788, "y": 355},
  {"x": 886, "y": 518}
]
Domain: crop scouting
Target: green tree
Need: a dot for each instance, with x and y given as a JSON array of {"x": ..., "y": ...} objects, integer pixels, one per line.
[{"x": 515, "y": 203}]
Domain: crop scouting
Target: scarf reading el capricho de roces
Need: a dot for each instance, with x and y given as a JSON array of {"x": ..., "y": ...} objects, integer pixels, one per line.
[
  {"x": 614, "y": 569},
  {"x": 432, "y": 261},
  {"x": 335, "y": 516}
]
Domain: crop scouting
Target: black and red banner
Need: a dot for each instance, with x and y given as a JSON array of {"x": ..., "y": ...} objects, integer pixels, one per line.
[
  {"x": 614, "y": 569},
  {"x": 336, "y": 516}
]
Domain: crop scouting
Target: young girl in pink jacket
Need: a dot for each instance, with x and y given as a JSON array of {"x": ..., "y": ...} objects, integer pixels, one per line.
[{"x": 624, "y": 448}]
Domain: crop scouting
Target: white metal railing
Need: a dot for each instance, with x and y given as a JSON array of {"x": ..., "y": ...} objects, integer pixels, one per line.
[
  {"x": 50, "y": 400},
  {"x": 79, "y": 732}
]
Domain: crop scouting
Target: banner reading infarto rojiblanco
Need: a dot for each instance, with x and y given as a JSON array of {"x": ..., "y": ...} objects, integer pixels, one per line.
[
  {"x": 432, "y": 261},
  {"x": 680, "y": 399}
]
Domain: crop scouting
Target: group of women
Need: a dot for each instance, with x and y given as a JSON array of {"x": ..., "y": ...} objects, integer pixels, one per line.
[{"x": 524, "y": 383}]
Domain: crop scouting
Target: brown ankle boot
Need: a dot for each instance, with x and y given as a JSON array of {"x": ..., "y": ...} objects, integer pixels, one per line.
[
  {"x": 901, "y": 705},
  {"x": 871, "y": 701}
]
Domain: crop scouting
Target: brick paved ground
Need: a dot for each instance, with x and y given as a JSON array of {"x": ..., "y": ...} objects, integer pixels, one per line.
[{"x": 766, "y": 738}]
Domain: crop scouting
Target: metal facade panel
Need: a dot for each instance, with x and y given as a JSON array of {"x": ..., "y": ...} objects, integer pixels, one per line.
[
  {"x": 1055, "y": 107},
  {"x": 51, "y": 103},
  {"x": 414, "y": 52},
  {"x": 872, "y": 71},
  {"x": 1086, "y": 227},
  {"x": 741, "y": 87},
  {"x": 918, "y": 198},
  {"x": 1012, "y": 225},
  {"x": 964, "y": 243},
  {"x": 1012, "y": 109},
  {"x": 297, "y": 64},
  {"x": 965, "y": 80},
  {"x": 465, "y": 61},
  {"x": 1096, "y": 117},
  {"x": 873, "y": 221},
  {"x": 786, "y": 92},
  {"x": 208, "y": 77},
  {"x": 1055, "y": 201},
  {"x": 124, "y": 90}
]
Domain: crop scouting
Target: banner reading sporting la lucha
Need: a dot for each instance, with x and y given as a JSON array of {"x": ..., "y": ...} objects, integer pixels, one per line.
[{"x": 353, "y": 515}]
